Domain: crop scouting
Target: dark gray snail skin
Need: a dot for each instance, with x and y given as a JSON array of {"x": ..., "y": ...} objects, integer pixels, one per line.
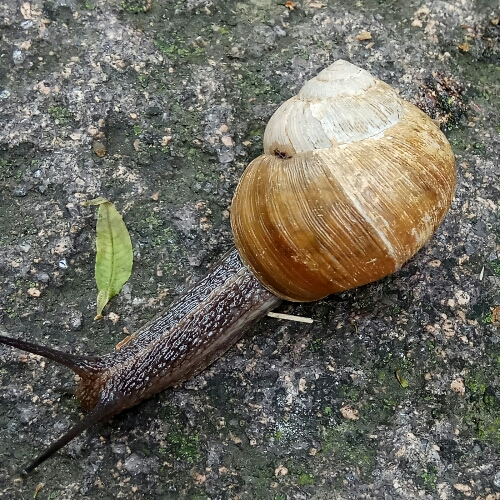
[{"x": 190, "y": 335}]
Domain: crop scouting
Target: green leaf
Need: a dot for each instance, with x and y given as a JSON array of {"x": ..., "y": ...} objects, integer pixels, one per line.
[{"x": 113, "y": 264}]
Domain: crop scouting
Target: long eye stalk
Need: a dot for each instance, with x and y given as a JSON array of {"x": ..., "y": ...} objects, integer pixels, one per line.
[{"x": 192, "y": 333}]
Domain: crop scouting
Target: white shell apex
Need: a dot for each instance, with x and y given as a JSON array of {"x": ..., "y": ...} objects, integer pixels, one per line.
[
  {"x": 338, "y": 80},
  {"x": 342, "y": 104}
]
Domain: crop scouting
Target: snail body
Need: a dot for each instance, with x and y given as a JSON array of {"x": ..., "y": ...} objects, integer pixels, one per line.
[
  {"x": 182, "y": 341},
  {"x": 353, "y": 181}
]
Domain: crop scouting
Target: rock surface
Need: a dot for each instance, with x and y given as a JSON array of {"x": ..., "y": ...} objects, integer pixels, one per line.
[{"x": 158, "y": 105}]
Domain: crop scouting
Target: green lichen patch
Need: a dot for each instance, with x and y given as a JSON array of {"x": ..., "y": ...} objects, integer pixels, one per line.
[
  {"x": 184, "y": 447},
  {"x": 481, "y": 414},
  {"x": 429, "y": 477},
  {"x": 60, "y": 114},
  {"x": 350, "y": 444},
  {"x": 181, "y": 442}
]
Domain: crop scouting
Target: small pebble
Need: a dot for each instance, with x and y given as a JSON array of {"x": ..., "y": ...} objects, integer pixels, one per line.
[
  {"x": 496, "y": 479},
  {"x": 27, "y": 415},
  {"x": 18, "y": 56},
  {"x": 135, "y": 464},
  {"x": 43, "y": 277},
  {"x": 19, "y": 192},
  {"x": 99, "y": 149},
  {"x": 75, "y": 321}
]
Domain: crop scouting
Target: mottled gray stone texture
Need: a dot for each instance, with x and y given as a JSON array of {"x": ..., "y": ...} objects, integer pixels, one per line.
[{"x": 393, "y": 392}]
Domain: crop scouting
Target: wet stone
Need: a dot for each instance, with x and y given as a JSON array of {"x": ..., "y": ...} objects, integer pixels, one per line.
[
  {"x": 19, "y": 192},
  {"x": 496, "y": 479},
  {"x": 18, "y": 56},
  {"x": 27, "y": 415},
  {"x": 135, "y": 464}
]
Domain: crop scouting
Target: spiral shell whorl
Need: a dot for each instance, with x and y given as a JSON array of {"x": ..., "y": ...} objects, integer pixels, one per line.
[
  {"x": 342, "y": 104},
  {"x": 313, "y": 222}
]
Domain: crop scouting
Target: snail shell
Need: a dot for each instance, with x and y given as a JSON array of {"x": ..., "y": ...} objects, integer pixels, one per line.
[{"x": 352, "y": 183}]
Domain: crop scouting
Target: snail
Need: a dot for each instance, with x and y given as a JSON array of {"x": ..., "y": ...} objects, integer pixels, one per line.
[{"x": 352, "y": 183}]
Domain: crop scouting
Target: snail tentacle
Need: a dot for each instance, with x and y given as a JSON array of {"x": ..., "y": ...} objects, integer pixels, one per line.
[{"x": 190, "y": 335}]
